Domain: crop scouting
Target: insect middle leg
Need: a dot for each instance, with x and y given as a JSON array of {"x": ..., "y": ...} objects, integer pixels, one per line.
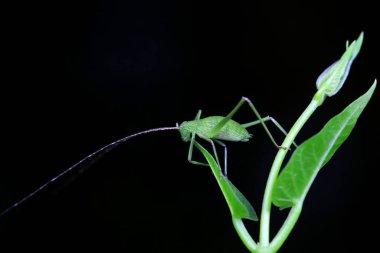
[
  {"x": 225, "y": 155},
  {"x": 211, "y": 141}
]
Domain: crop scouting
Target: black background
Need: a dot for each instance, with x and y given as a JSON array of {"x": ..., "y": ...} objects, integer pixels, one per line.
[{"x": 81, "y": 74}]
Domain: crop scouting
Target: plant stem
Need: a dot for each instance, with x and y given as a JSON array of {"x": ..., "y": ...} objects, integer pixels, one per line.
[
  {"x": 267, "y": 201},
  {"x": 244, "y": 235},
  {"x": 287, "y": 227}
]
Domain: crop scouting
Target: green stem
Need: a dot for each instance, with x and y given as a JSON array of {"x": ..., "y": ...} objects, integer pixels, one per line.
[
  {"x": 287, "y": 227},
  {"x": 267, "y": 201},
  {"x": 244, "y": 235}
]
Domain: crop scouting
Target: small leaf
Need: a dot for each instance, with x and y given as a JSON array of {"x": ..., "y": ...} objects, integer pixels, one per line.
[
  {"x": 239, "y": 206},
  {"x": 332, "y": 79},
  {"x": 296, "y": 178}
]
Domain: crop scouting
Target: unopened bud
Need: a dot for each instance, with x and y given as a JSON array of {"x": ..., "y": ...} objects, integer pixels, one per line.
[{"x": 332, "y": 79}]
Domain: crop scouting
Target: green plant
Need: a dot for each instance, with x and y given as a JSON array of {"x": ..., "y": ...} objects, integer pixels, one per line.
[{"x": 289, "y": 188}]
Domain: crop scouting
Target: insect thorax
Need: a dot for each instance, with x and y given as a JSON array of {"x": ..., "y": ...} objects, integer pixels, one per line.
[{"x": 185, "y": 129}]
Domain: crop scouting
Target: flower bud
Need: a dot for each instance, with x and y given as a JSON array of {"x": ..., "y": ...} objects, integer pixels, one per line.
[{"x": 332, "y": 79}]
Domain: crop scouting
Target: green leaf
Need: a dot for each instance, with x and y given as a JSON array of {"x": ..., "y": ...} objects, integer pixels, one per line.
[
  {"x": 239, "y": 206},
  {"x": 296, "y": 178}
]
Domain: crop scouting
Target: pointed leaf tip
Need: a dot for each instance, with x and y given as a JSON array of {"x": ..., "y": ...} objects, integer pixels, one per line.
[{"x": 239, "y": 206}]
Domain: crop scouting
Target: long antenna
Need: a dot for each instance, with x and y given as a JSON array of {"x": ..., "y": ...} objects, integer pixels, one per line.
[{"x": 91, "y": 158}]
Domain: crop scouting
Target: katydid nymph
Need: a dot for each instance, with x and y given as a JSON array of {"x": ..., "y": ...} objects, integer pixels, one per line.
[
  {"x": 212, "y": 129},
  {"x": 218, "y": 129}
]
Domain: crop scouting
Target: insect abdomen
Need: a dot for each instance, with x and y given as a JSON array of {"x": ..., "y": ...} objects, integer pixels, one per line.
[{"x": 231, "y": 131}]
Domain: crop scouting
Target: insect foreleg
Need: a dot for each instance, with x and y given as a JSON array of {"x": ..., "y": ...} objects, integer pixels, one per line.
[{"x": 190, "y": 154}]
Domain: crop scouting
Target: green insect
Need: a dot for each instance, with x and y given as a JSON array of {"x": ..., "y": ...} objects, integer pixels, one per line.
[
  {"x": 212, "y": 129},
  {"x": 218, "y": 129}
]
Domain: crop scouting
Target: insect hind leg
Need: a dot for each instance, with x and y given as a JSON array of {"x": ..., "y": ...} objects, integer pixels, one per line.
[{"x": 271, "y": 119}]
